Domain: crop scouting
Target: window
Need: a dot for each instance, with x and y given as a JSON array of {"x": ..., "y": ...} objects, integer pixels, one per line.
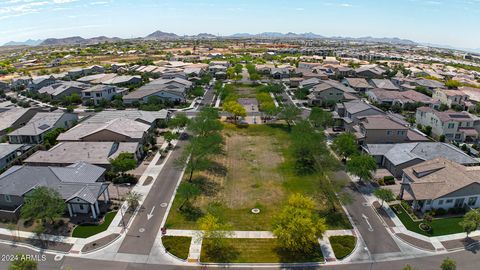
[
  {"x": 87, "y": 94},
  {"x": 389, "y": 132},
  {"x": 449, "y": 201},
  {"x": 98, "y": 94},
  {"x": 451, "y": 125},
  {"x": 440, "y": 202},
  {"x": 472, "y": 201},
  {"x": 80, "y": 206},
  {"x": 7, "y": 198},
  {"x": 429, "y": 202}
]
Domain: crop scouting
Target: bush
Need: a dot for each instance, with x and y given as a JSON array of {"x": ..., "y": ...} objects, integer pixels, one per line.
[
  {"x": 440, "y": 212},
  {"x": 407, "y": 207},
  {"x": 456, "y": 211},
  {"x": 125, "y": 178},
  {"x": 381, "y": 182},
  {"x": 389, "y": 180}
]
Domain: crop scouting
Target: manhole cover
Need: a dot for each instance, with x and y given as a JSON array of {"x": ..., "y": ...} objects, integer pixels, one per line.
[
  {"x": 163, "y": 204},
  {"x": 141, "y": 230},
  {"x": 58, "y": 257},
  {"x": 365, "y": 204},
  {"x": 255, "y": 210}
]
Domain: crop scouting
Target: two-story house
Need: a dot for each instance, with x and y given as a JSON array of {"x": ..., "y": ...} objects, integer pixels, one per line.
[
  {"x": 99, "y": 92},
  {"x": 450, "y": 97},
  {"x": 455, "y": 126}
]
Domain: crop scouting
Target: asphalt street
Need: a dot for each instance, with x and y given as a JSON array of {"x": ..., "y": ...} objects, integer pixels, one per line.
[{"x": 143, "y": 231}]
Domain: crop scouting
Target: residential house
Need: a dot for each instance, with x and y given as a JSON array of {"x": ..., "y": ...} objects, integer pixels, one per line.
[
  {"x": 15, "y": 118},
  {"x": 99, "y": 93},
  {"x": 429, "y": 84},
  {"x": 348, "y": 114},
  {"x": 386, "y": 97},
  {"x": 21, "y": 82},
  {"x": 359, "y": 84},
  {"x": 280, "y": 73},
  {"x": 450, "y": 97},
  {"x": 309, "y": 83},
  {"x": 384, "y": 84},
  {"x": 441, "y": 184},
  {"x": 43, "y": 122},
  {"x": 325, "y": 93},
  {"x": 151, "y": 118},
  {"x": 41, "y": 81},
  {"x": 8, "y": 153},
  {"x": 81, "y": 185},
  {"x": 96, "y": 153},
  {"x": 97, "y": 78},
  {"x": 369, "y": 72},
  {"x": 58, "y": 90},
  {"x": 124, "y": 80},
  {"x": 396, "y": 157},
  {"x": 116, "y": 130},
  {"x": 388, "y": 128},
  {"x": 455, "y": 126},
  {"x": 165, "y": 92}
]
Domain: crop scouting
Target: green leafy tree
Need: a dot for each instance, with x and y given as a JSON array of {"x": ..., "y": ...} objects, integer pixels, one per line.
[
  {"x": 362, "y": 166},
  {"x": 471, "y": 221},
  {"x": 235, "y": 108},
  {"x": 187, "y": 191},
  {"x": 123, "y": 163},
  {"x": 290, "y": 113},
  {"x": 320, "y": 118},
  {"x": 170, "y": 136},
  {"x": 238, "y": 68},
  {"x": 133, "y": 199},
  {"x": 345, "y": 144},
  {"x": 448, "y": 264},
  {"x": 297, "y": 226},
  {"x": 43, "y": 203},
  {"x": 452, "y": 84},
  {"x": 22, "y": 262},
  {"x": 215, "y": 234},
  {"x": 50, "y": 138},
  {"x": 386, "y": 195},
  {"x": 179, "y": 121}
]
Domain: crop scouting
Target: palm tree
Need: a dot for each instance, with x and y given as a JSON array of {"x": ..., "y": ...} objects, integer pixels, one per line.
[{"x": 133, "y": 199}]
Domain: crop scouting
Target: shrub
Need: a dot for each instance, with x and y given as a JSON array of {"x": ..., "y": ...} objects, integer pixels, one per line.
[
  {"x": 407, "y": 207},
  {"x": 389, "y": 180},
  {"x": 125, "y": 178},
  {"x": 440, "y": 212},
  {"x": 381, "y": 182}
]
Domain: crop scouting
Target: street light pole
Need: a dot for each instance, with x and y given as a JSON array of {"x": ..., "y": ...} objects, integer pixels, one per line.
[{"x": 121, "y": 207}]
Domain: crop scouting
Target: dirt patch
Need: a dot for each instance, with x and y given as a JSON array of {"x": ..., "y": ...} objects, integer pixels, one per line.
[
  {"x": 467, "y": 243},
  {"x": 416, "y": 242},
  {"x": 148, "y": 181},
  {"x": 252, "y": 176}
]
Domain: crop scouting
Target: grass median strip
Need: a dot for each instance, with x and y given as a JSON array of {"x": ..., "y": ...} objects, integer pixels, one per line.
[
  {"x": 249, "y": 250},
  {"x": 178, "y": 246},
  {"x": 342, "y": 245}
]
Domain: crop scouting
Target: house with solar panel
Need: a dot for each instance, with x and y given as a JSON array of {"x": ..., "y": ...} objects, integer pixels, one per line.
[{"x": 34, "y": 131}]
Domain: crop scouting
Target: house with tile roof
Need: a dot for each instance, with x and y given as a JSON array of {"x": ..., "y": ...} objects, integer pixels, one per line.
[{"x": 441, "y": 183}]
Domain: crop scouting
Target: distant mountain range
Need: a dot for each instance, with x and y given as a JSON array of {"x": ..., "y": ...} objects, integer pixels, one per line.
[
  {"x": 159, "y": 35},
  {"x": 30, "y": 42}
]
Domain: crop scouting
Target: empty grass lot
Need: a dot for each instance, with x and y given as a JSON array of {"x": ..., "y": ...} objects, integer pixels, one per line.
[
  {"x": 85, "y": 231},
  {"x": 256, "y": 171},
  {"x": 178, "y": 246},
  {"x": 441, "y": 226},
  {"x": 258, "y": 251}
]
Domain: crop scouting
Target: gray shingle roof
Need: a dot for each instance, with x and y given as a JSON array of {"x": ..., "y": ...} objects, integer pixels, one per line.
[{"x": 76, "y": 180}]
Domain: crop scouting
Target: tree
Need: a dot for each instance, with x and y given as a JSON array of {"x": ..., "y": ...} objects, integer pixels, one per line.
[
  {"x": 238, "y": 68},
  {"x": 471, "y": 221},
  {"x": 22, "y": 262},
  {"x": 452, "y": 84},
  {"x": 362, "y": 166},
  {"x": 187, "y": 191},
  {"x": 234, "y": 108},
  {"x": 448, "y": 264},
  {"x": 43, "y": 203},
  {"x": 170, "y": 136},
  {"x": 216, "y": 233},
  {"x": 50, "y": 138},
  {"x": 133, "y": 199},
  {"x": 320, "y": 118},
  {"x": 409, "y": 267},
  {"x": 179, "y": 121},
  {"x": 297, "y": 227},
  {"x": 345, "y": 144},
  {"x": 386, "y": 195},
  {"x": 290, "y": 113},
  {"x": 124, "y": 162}
]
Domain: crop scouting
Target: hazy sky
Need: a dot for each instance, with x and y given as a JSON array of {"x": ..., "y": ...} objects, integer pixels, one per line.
[{"x": 449, "y": 22}]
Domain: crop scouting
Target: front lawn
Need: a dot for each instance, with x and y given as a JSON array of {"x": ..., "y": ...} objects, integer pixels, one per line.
[
  {"x": 440, "y": 226},
  {"x": 248, "y": 250},
  {"x": 177, "y": 245},
  {"x": 342, "y": 245},
  {"x": 87, "y": 230}
]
